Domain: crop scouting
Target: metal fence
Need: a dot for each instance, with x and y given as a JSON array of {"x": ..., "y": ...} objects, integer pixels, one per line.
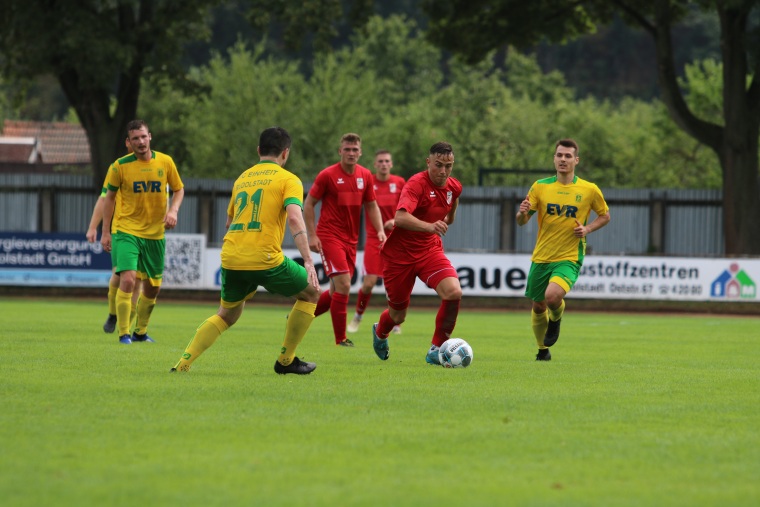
[{"x": 644, "y": 221}]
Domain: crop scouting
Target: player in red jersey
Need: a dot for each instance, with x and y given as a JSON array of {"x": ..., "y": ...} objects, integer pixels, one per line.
[
  {"x": 387, "y": 190},
  {"x": 414, "y": 249},
  {"x": 342, "y": 188}
]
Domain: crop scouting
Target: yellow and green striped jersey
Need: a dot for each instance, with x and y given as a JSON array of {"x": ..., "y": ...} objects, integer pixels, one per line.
[
  {"x": 257, "y": 207},
  {"x": 144, "y": 195},
  {"x": 558, "y": 207}
]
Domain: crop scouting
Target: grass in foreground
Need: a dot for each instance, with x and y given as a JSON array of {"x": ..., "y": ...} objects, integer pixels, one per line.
[{"x": 633, "y": 410}]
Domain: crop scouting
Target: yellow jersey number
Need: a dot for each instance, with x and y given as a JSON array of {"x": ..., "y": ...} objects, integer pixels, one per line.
[{"x": 242, "y": 202}]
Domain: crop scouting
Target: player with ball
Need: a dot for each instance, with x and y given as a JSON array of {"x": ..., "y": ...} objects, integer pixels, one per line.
[{"x": 414, "y": 249}]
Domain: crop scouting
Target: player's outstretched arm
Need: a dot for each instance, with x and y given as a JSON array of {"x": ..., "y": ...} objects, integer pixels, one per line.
[
  {"x": 309, "y": 219},
  {"x": 300, "y": 237},
  {"x": 97, "y": 217}
]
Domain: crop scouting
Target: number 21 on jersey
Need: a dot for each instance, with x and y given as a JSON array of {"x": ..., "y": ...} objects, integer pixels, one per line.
[{"x": 248, "y": 208}]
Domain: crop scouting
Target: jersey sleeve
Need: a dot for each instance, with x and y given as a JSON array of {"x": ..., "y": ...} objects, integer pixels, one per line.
[
  {"x": 293, "y": 192},
  {"x": 599, "y": 205},
  {"x": 409, "y": 198},
  {"x": 113, "y": 178},
  {"x": 317, "y": 190},
  {"x": 172, "y": 177}
]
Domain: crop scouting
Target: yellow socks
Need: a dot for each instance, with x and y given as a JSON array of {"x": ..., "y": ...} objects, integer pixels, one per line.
[
  {"x": 123, "y": 308},
  {"x": 555, "y": 315},
  {"x": 112, "y": 299},
  {"x": 301, "y": 317},
  {"x": 539, "y": 322},
  {"x": 144, "y": 308},
  {"x": 205, "y": 336}
]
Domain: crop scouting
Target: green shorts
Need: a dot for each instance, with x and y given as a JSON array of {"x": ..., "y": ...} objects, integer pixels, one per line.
[
  {"x": 287, "y": 279},
  {"x": 563, "y": 273},
  {"x": 132, "y": 253}
]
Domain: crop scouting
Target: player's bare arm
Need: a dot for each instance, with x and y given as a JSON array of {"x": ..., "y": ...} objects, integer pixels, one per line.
[
  {"x": 170, "y": 220},
  {"x": 523, "y": 215},
  {"x": 582, "y": 231},
  {"x": 97, "y": 216},
  {"x": 308, "y": 215},
  {"x": 109, "y": 202},
  {"x": 298, "y": 230},
  {"x": 408, "y": 221},
  {"x": 373, "y": 213}
]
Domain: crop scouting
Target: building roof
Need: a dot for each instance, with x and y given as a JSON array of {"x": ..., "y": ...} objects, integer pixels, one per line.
[{"x": 55, "y": 143}]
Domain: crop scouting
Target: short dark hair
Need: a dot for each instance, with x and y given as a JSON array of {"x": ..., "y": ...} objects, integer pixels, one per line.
[
  {"x": 441, "y": 148},
  {"x": 382, "y": 152},
  {"x": 136, "y": 125},
  {"x": 567, "y": 143},
  {"x": 273, "y": 141},
  {"x": 350, "y": 138}
]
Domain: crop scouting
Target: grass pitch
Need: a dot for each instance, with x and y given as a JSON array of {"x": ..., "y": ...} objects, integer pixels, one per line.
[{"x": 633, "y": 410}]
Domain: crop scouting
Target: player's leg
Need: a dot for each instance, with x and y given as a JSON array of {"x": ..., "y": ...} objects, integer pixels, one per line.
[
  {"x": 440, "y": 275},
  {"x": 564, "y": 275},
  {"x": 362, "y": 300},
  {"x": 237, "y": 288},
  {"x": 151, "y": 267},
  {"x": 535, "y": 289},
  {"x": 124, "y": 255},
  {"x": 291, "y": 279},
  {"x": 113, "y": 286},
  {"x": 399, "y": 282},
  {"x": 339, "y": 260}
]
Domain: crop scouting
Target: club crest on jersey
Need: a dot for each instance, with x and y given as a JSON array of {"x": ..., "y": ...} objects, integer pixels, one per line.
[
  {"x": 578, "y": 197},
  {"x": 449, "y": 195},
  {"x": 360, "y": 183},
  {"x": 392, "y": 188}
]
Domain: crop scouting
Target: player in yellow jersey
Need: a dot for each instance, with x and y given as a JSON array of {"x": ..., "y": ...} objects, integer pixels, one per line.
[
  {"x": 138, "y": 244},
  {"x": 564, "y": 203},
  {"x": 265, "y": 198},
  {"x": 109, "y": 326}
]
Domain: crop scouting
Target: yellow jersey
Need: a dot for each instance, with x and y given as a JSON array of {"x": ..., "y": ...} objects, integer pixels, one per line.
[
  {"x": 257, "y": 209},
  {"x": 558, "y": 207},
  {"x": 144, "y": 195}
]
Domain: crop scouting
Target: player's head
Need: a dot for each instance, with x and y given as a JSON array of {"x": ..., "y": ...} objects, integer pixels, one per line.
[
  {"x": 440, "y": 163},
  {"x": 566, "y": 156},
  {"x": 383, "y": 163},
  {"x": 273, "y": 142},
  {"x": 350, "y": 149},
  {"x": 138, "y": 138}
]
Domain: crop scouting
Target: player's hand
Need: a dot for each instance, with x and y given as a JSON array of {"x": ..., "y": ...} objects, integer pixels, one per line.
[
  {"x": 105, "y": 240},
  {"x": 440, "y": 227},
  {"x": 311, "y": 274},
  {"x": 92, "y": 235},
  {"x": 389, "y": 224},
  {"x": 579, "y": 230},
  {"x": 170, "y": 220},
  {"x": 381, "y": 237},
  {"x": 315, "y": 245},
  {"x": 525, "y": 206}
]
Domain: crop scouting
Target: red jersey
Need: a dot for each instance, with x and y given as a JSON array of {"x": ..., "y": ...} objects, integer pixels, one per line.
[
  {"x": 428, "y": 203},
  {"x": 342, "y": 196},
  {"x": 387, "y": 193}
]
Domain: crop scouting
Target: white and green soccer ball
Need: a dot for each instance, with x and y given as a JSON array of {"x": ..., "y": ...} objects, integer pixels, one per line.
[{"x": 455, "y": 353}]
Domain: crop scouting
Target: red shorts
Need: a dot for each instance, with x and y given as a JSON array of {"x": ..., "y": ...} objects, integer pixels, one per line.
[
  {"x": 373, "y": 262},
  {"x": 338, "y": 258},
  {"x": 399, "y": 278}
]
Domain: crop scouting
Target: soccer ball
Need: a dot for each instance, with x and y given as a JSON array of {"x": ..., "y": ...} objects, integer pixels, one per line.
[{"x": 455, "y": 353}]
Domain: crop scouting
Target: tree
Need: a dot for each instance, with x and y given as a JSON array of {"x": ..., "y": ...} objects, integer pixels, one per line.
[
  {"x": 99, "y": 51},
  {"x": 472, "y": 28}
]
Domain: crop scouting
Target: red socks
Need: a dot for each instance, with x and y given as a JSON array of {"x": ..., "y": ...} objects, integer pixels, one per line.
[
  {"x": 338, "y": 311},
  {"x": 445, "y": 321},
  {"x": 362, "y": 301}
]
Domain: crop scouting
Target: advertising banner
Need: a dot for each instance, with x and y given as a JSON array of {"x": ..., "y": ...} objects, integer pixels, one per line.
[
  {"x": 601, "y": 277},
  {"x": 69, "y": 260}
]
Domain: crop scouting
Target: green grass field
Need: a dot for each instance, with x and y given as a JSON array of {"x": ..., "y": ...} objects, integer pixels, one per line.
[{"x": 634, "y": 410}]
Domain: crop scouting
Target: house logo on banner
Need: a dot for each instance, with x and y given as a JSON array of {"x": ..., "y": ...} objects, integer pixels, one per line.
[{"x": 733, "y": 283}]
